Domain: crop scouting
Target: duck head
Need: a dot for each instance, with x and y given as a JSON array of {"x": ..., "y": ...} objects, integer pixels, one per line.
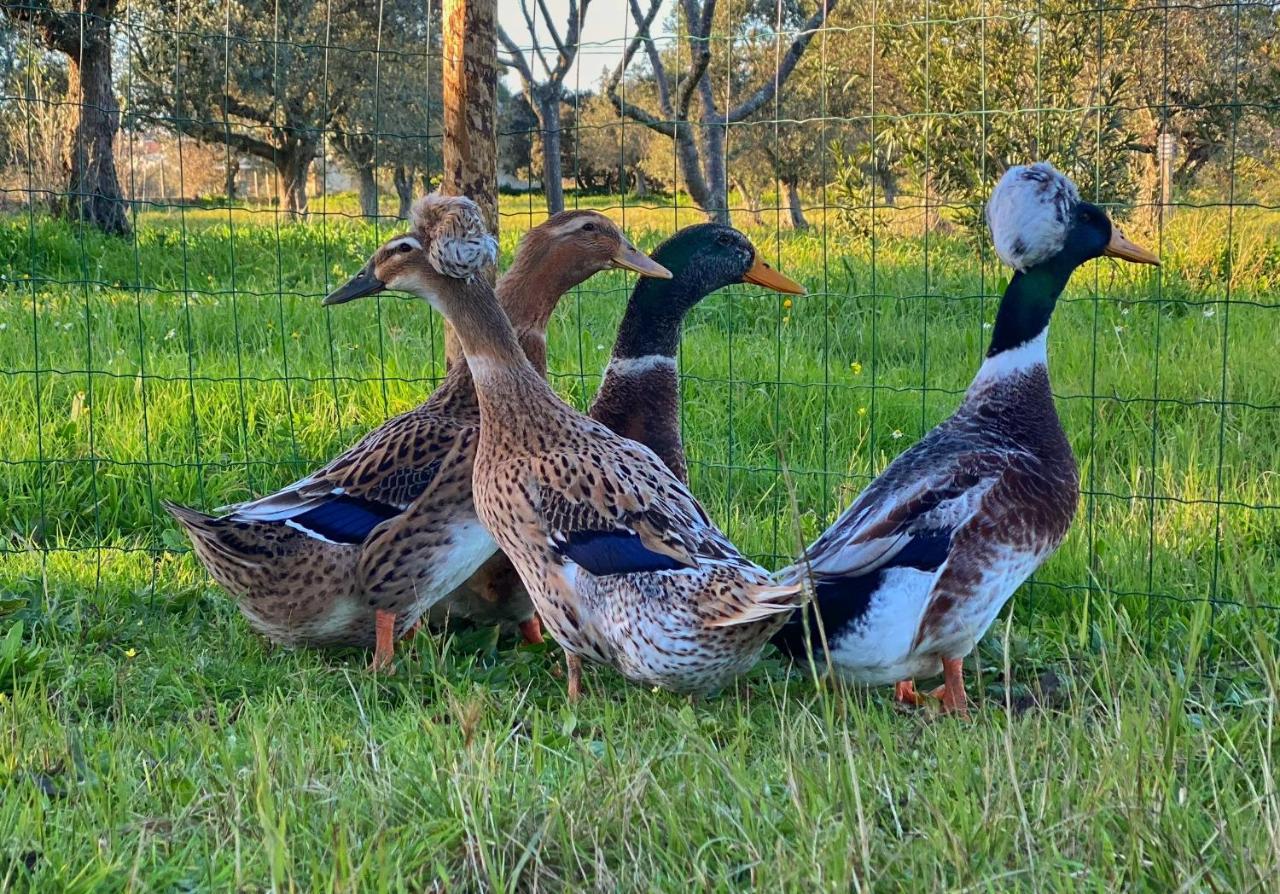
[
  {"x": 449, "y": 242},
  {"x": 706, "y": 257},
  {"x": 702, "y": 258},
  {"x": 1044, "y": 231},
  {"x": 574, "y": 245},
  {"x": 1037, "y": 217}
]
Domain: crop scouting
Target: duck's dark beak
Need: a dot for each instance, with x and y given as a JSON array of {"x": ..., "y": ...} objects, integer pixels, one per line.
[
  {"x": 628, "y": 257},
  {"x": 1120, "y": 247},
  {"x": 761, "y": 274},
  {"x": 362, "y": 284}
]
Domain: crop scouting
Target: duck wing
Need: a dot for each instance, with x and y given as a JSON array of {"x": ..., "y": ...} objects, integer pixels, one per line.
[
  {"x": 620, "y": 512},
  {"x": 369, "y": 484},
  {"x": 906, "y": 518}
]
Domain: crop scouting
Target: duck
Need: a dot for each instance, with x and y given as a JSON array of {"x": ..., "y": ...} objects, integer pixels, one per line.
[
  {"x": 910, "y": 577},
  {"x": 639, "y": 394},
  {"x": 356, "y": 552},
  {"x": 622, "y": 563}
]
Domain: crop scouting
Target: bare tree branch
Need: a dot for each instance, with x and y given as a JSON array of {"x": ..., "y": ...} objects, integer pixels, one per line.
[
  {"x": 518, "y": 62},
  {"x": 767, "y": 90},
  {"x": 569, "y": 50},
  {"x": 700, "y": 56},
  {"x": 551, "y": 26},
  {"x": 644, "y": 21},
  {"x": 533, "y": 35}
]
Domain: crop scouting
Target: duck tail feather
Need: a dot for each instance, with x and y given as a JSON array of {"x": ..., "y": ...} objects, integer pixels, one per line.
[{"x": 763, "y": 601}]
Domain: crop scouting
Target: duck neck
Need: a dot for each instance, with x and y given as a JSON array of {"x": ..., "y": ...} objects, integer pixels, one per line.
[
  {"x": 651, "y": 324},
  {"x": 492, "y": 350},
  {"x": 528, "y": 292},
  {"x": 1022, "y": 323},
  {"x": 639, "y": 397}
]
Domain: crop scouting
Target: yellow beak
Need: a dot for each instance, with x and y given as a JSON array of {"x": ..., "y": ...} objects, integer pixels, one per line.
[
  {"x": 761, "y": 274},
  {"x": 629, "y": 257},
  {"x": 1120, "y": 247}
]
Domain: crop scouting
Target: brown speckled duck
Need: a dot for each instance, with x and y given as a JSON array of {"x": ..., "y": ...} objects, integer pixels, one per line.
[
  {"x": 639, "y": 396},
  {"x": 910, "y": 577},
  {"x": 356, "y": 552},
  {"x": 622, "y": 563}
]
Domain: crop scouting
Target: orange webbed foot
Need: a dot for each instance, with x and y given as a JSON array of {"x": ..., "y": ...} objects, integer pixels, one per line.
[
  {"x": 904, "y": 693},
  {"x": 951, "y": 693},
  {"x": 384, "y": 623}
]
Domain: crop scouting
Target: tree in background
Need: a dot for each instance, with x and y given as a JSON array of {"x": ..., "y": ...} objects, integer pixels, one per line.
[
  {"x": 516, "y": 126},
  {"x": 546, "y": 96},
  {"x": 613, "y": 146},
  {"x": 392, "y": 105},
  {"x": 83, "y": 34},
  {"x": 699, "y": 131},
  {"x": 254, "y": 75}
]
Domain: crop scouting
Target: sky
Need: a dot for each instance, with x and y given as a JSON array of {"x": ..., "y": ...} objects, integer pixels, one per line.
[{"x": 608, "y": 26}]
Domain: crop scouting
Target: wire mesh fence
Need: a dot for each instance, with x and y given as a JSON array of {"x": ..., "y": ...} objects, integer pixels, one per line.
[{"x": 163, "y": 339}]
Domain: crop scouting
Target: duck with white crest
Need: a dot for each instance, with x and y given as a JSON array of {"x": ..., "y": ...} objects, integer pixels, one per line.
[{"x": 910, "y": 577}]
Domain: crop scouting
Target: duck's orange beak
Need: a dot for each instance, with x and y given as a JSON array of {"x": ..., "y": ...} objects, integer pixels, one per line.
[
  {"x": 761, "y": 274},
  {"x": 1120, "y": 247}
]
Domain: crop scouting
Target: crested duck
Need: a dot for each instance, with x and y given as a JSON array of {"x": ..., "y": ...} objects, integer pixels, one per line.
[
  {"x": 910, "y": 577},
  {"x": 622, "y": 563}
]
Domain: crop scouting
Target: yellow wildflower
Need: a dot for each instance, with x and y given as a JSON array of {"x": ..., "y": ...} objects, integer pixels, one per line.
[
  {"x": 856, "y": 368},
  {"x": 786, "y": 305},
  {"x": 130, "y": 653},
  {"x": 862, "y": 411}
]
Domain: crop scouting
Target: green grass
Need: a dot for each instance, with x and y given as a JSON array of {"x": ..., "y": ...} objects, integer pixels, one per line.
[{"x": 149, "y": 741}]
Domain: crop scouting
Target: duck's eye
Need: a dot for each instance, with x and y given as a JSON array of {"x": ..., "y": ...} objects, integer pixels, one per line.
[
  {"x": 588, "y": 228},
  {"x": 404, "y": 248},
  {"x": 724, "y": 239}
]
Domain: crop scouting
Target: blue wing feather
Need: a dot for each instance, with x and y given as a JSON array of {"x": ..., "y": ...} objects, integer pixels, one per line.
[
  {"x": 345, "y": 519},
  {"x": 613, "y": 552}
]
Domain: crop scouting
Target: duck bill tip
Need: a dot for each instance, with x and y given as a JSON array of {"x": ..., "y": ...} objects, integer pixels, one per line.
[
  {"x": 761, "y": 274},
  {"x": 1122, "y": 248},
  {"x": 361, "y": 285}
]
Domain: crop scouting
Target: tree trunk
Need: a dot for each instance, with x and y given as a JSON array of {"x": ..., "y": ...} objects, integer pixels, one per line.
[
  {"x": 293, "y": 167},
  {"x": 713, "y": 156},
  {"x": 798, "y": 221},
  {"x": 691, "y": 167},
  {"x": 552, "y": 168},
  {"x": 471, "y": 116},
  {"x": 368, "y": 191},
  {"x": 233, "y": 171},
  {"x": 93, "y": 192},
  {"x": 752, "y": 200},
  {"x": 403, "y": 179}
]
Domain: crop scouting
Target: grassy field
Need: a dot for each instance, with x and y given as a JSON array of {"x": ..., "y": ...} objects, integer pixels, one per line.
[{"x": 148, "y": 741}]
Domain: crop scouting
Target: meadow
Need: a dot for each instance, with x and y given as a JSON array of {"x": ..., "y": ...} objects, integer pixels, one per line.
[{"x": 1125, "y": 734}]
